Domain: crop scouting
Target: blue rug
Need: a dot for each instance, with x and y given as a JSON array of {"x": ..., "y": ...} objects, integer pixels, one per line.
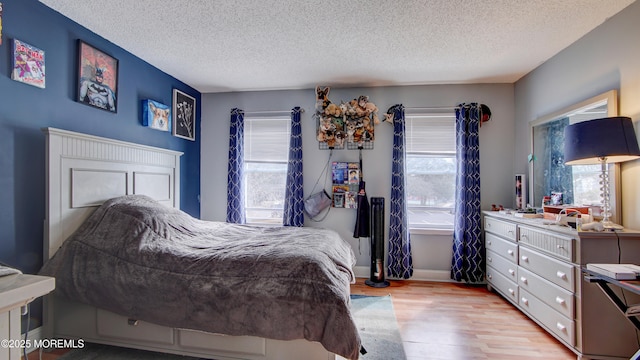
[{"x": 374, "y": 317}]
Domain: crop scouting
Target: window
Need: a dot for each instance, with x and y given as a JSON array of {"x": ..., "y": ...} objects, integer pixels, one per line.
[
  {"x": 266, "y": 154},
  {"x": 430, "y": 146}
]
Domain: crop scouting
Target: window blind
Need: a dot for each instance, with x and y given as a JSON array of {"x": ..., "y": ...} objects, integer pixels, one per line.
[
  {"x": 266, "y": 139},
  {"x": 430, "y": 133}
]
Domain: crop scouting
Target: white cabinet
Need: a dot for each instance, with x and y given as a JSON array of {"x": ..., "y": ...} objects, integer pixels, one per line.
[
  {"x": 15, "y": 291},
  {"x": 537, "y": 268}
]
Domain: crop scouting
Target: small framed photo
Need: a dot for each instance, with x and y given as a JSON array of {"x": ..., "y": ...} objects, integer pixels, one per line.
[
  {"x": 28, "y": 64},
  {"x": 184, "y": 115},
  {"x": 97, "y": 78},
  {"x": 156, "y": 115},
  {"x": 521, "y": 191}
]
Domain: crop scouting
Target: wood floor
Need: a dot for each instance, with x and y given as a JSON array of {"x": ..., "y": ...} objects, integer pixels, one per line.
[{"x": 448, "y": 321}]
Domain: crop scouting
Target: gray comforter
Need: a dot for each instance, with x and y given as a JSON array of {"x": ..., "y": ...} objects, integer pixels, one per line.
[{"x": 138, "y": 258}]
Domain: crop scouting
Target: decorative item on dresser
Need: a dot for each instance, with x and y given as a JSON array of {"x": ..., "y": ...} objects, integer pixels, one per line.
[
  {"x": 601, "y": 141},
  {"x": 537, "y": 267}
]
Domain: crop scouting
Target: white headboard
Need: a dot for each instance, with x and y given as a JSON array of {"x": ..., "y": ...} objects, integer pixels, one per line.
[{"x": 83, "y": 171}]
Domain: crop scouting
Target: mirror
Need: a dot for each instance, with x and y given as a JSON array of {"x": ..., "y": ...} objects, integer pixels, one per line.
[{"x": 579, "y": 184}]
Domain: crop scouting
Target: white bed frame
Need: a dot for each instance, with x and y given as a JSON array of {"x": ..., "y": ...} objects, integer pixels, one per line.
[{"x": 82, "y": 172}]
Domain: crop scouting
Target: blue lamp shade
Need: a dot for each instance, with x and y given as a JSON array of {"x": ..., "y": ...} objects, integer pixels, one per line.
[{"x": 613, "y": 138}]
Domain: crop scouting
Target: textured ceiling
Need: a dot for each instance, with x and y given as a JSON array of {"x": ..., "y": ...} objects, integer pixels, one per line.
[{"x": 241, "y": 45}]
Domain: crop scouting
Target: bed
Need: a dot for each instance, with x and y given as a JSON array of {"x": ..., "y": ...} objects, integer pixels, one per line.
[{"x": 133, "y": 270}]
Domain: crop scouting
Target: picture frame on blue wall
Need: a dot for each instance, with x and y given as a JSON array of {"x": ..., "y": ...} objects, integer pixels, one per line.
[
  {"x": 184, "y": 115},
  {"x": 28, "y": 64},
  {"x": 156, "y": 115},
  {"x": 97, "y": 78}
]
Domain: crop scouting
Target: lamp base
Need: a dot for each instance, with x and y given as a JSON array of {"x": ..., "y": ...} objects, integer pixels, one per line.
[{"x": 611, "y": 226}]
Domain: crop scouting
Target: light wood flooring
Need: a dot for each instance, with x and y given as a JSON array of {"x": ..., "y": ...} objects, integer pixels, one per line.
[{"x": 450, "y": 321}]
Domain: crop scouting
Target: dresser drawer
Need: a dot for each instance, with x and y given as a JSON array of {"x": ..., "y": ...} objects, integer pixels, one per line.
[
  {"x": 555, "y": 244},
  {"x": 505, "y": 267},
  {"x": 117, "y": 326},
  {"x": 559, "y": 325},
  {"x": 503, "y": 285},
  {"x": 556, "y": 271},
  {"x": 499, "y": 227},
  {"x": 556, "y": 297},
  {"x": 502, "y": 247}
]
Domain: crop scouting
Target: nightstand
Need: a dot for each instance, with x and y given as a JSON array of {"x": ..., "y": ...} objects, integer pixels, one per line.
[{"x": 16, "y": 291}]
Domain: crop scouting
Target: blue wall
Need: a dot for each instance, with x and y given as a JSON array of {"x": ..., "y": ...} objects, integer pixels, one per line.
[{"x": 25, "y": 109}]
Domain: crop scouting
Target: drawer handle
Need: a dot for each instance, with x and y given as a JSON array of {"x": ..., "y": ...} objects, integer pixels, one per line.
[
  {"x": 524, "y": 236},
  {"x": 132, "y": 322},
  {"x": 489, "y": 259},
  {"x": 524, "y": 258},
  {"x": 511, "y": 291},
  {"x": 512, "y": 272},
  {"x": 488, "y": 242},
  {"x": 524, "y": 279},
  {"x": 561, "y": 327},
  {"x": 509, "y": 231},
  {"x": 489, "y": 276},
  {"x": 561, "y": 275},
  {"x": 559, "y": 246},
  {"x": 560, "y": 300},
  {"x": 510, "y": 252},
  {"x": 525, "y": 301}
]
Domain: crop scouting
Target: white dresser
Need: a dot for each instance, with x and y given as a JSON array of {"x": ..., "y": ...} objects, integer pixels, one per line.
[{"x": 537, "y": 268}]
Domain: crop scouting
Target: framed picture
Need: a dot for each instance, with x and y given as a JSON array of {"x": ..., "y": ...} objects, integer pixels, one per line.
[
  {"x": 521, "y": 191},
  {"x": 156, "y": 115},
  {"x": 97, "y": 78},
  {"x": 28, "y": 64},
  {"x": 184, "y": 115}
]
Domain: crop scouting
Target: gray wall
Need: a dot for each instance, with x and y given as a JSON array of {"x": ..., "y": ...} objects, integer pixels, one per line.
[
  {"x": 431, "y": 253},
  {"x": 607, "y": 58}
]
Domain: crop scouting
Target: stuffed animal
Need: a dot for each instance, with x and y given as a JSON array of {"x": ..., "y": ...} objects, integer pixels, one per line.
[
  {"x": 322, "y": 99},
  {"x": 332, "y": 110},
  {"x": 388, "y": 118},
  {"x": 372, "y": 110}
]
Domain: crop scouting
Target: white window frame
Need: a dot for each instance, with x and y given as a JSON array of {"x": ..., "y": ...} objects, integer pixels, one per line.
[
  {"x": 445, "y": 228},
  {"x": 249, "y": 161}
]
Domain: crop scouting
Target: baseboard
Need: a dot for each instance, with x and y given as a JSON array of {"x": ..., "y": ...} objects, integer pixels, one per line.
[{"x": 418, "y": 274}]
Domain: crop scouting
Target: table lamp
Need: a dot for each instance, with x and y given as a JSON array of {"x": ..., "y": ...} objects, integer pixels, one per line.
[{"x": 601, "y": 141}]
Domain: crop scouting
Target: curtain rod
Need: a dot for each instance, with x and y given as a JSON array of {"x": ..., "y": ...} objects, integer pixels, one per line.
[{"x": 271, "y": 112}]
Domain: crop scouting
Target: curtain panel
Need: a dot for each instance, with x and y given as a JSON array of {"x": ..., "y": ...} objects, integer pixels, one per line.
[
  {"x": 468, "y": 248},
  {"x": 294, "y": 194},
  {"x": 235, "y": 186},
  {"x": 400, "y": 262}
]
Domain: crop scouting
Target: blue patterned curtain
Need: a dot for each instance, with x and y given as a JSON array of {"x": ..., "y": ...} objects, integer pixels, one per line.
[
  {"x": 400, "y": 263},
  {"x": 558, "y": 177},
  {"x": 235, "y": 193},
  {"x": 468, "y": 259},
  {"x": 294, "y": 195}
]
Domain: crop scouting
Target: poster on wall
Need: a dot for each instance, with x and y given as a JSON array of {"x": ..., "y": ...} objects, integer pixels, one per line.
[
  {"x": 345, "y": 178},
  {"x": 98, "y": 78},
  {"x": 156, "y": 115},
  {"x": 28, "y": 64},
  {"x": 184, "y": 115}
]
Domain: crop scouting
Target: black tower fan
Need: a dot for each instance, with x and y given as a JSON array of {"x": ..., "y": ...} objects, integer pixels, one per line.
[{"x": 376, "y": 278}]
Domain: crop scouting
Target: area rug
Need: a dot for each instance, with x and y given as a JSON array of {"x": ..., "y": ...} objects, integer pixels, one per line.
[
  {"x": 374, "y": 317},
  {"x": 378, "y": 327}
]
